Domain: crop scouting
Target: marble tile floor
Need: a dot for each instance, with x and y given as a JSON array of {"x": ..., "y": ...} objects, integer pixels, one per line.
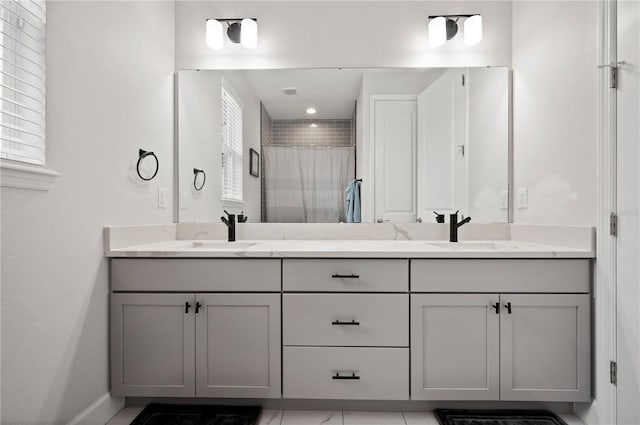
[{"x": 321, "y": 417}]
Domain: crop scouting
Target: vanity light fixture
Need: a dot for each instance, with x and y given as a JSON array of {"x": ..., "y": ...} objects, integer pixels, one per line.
[
  {"x": 445, "y": 27},
  {"x": 311, "y": 110},
  {"x": 239, "y": 30}
]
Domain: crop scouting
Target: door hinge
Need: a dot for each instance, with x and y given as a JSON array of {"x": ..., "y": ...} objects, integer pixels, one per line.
[
  {"x": 613, "y": 372},
  {"x": 613, "y": 224},
  {"x": 613, "y": 72}
]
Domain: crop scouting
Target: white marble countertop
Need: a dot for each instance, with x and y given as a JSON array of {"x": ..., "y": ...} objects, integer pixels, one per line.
[{"x": 347, "y": 249}]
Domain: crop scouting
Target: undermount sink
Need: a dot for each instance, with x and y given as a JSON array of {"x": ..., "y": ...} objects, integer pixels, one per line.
[
  {"x": 219, "y": 245},
  {"x": 475, "y": 245}
]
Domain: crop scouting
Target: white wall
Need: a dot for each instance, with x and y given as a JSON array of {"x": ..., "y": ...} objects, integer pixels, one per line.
[
  {"x": 199, "y": 115},
  {"x": 341, "y": 34},
  {"x": 110, "y": 91},
  {"x": 488, "y": 143},
  {"x": 555, "y": 110}
]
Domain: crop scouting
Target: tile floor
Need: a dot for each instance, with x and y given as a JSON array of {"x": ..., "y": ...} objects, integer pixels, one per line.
[{"x": 322, "y": 417}]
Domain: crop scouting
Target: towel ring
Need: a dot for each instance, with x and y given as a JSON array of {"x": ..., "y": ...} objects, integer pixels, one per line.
[
  {"x": 195, "y": 179},
  {"x": 142, "y": 154}
]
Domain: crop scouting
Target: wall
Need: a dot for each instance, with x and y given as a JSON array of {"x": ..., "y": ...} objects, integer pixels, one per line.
[
  {"x": 488, "y": 143},
  {"x": 555, "y": 103},
  {"x": 110, "y": 91},
  {"x": 199, "y": 115},
  {"x": 321, "y": 34}
]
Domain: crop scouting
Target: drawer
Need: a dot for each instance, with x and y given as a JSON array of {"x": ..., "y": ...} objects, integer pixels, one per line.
[
  {"x": 380, "y": 373},
  {"x": 328, "y": 319},
  {"x": 499, "y": 275},
  {"x": 195, "y": 275},
  {"x": 346, "y": 275}
]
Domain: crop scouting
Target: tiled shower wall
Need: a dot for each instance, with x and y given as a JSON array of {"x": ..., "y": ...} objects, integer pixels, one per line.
[
  {"x": 301, "y": 133},
  {"x": 266, "y": 138}
]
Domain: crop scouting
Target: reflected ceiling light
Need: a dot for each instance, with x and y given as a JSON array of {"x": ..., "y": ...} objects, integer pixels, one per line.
[
  {"x": 311, "y": 110},
  {"x": 313, "y": 125},
  {"x": 473, "y": 30},
  {"x": 445, "y": 27},
  {"x": 243, "y": 31}
]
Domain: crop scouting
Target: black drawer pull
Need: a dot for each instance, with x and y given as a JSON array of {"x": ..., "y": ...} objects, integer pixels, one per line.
[
  {"x": 186, "y": 307},
  {"x": 198, "y": 306},
  {"x": 345, "y": 276},
  {"x": 340, "y": 322},
  {"x": 508, "y": 307},
  {"x": 497, "y": 307},
  {"x": 352, "y": 376}
]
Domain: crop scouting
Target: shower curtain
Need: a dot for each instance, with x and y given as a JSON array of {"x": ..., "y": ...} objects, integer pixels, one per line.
[{"x": 306, "y": 184}]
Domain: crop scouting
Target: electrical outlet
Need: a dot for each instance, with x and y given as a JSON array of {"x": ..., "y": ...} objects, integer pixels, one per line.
[
  {"x": 162, "y": 197},
  {"x": 183, "y": 200},
  {"x": 523, "y": 198},
  {"x": 504, "y": 199}
]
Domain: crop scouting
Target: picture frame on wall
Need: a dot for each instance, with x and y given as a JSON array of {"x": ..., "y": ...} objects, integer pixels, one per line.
[{"x": 254, "y": 163}]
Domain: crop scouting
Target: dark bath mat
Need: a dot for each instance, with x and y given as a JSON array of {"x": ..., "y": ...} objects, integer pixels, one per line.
[
  {"x": 177, "y": 414},
  {"x": 497, "y": 417}
]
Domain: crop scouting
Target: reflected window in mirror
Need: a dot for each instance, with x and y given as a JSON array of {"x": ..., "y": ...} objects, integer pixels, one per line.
[{"x": 231, "y": 145}]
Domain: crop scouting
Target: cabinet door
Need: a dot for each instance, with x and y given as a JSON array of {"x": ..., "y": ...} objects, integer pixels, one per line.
[
  {"x": 238, "y": 345},
  {"x": 152, "y": 345},
  {"x": 545, "y": 348},
  {"x": 454, "y": 347}
]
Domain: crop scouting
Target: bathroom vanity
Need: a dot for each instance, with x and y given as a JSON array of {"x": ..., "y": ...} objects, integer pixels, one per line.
[{"x": 351, "y": 320}]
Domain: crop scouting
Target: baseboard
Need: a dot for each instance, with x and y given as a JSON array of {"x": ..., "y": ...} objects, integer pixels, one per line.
[{"x": 100, "y": 411}]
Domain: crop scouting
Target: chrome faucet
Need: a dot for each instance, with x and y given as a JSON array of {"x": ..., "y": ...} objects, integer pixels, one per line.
[
  {"x": 230, "y": 221},
  {"x": 453, "y": 226}
]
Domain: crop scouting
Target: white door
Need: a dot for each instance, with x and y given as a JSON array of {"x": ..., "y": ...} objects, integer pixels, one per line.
[
  {"x": 628, "y": 208},
  {"x": 238, "y": 345},
  {"x": 152, "y": 345},
  {"x": 442, "y": 145},
  {"x": 454, "y": 347},
  {"x": 394, "y": 135},
  {"x": 545, "y": 347}
]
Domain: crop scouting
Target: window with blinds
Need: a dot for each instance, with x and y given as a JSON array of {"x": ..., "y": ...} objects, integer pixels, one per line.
[
  {"x": 22, "y": 80},
  {"x": 231, "y": 147}
]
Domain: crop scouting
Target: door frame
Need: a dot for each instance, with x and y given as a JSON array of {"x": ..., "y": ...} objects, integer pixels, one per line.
[
  {"x": 603, "y": 408},
  {"x": 369, "y": 152}
]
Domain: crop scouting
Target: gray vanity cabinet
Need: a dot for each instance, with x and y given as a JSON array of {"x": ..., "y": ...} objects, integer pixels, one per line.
[
  {"x": 196, "y": 328},
  {"x": 238, "y": 345},
  {"x": 545, "y": 347},
  {"x": 454, "y": 347},
  {"x": 152, "y": 345},
  {"x": 536, "y": 347}
]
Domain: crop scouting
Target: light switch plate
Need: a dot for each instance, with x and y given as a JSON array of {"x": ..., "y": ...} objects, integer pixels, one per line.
[
  {"x": 523, "y": 198},
  {"x": 504, "y": 199},
  {"x": 162, "y": 197}
]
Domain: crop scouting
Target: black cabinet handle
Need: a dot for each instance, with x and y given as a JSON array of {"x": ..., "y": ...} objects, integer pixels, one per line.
[
  {"x": 186, "y": 307},
  {"x": 497, "y": 307},
  {"x": 508, "y": 307},
  {"x": 352, "y": 376},
  {"x": 345, "y": 276},
  {"x": 351, "y": 323},
  {"x": 198, "y": 305}
]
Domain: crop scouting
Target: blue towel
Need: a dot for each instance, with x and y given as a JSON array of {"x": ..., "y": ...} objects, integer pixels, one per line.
[{"x": 353, "y": 202}]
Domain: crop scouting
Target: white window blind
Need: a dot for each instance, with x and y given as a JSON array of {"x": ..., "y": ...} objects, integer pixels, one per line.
[
  {"x": 231, "y": 147},
  {"x": 22, "y": 80}
]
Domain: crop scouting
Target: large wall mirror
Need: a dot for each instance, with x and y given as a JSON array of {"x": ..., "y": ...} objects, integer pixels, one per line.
[{"x": 343, "y": 145}]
